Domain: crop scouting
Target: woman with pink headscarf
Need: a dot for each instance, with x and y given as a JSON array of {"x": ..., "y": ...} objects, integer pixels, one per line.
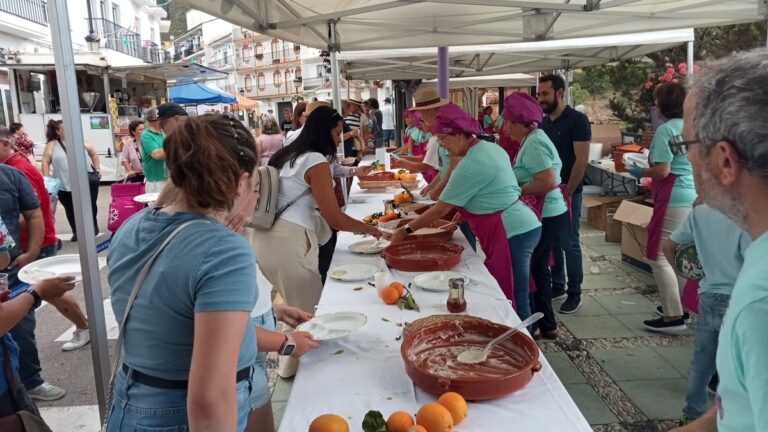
[
  {"x": 416, "y": 140},
  {"x": 484, "y": 190},
  {"x": 537, "y": 167}
]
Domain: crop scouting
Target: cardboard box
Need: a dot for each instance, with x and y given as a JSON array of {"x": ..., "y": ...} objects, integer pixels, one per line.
[
  {"x": 634, "y": 215},
  {"x": 598, "y": 207},
  {"x": 612, "y": 228},
  {"x": 608, "y": 134}
]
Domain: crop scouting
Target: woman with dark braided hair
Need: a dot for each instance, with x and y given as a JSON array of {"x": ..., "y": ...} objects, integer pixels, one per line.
[{"x": 187, "y": 342}]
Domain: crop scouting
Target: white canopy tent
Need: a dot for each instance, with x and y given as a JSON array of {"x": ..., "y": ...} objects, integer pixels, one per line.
[
  {"x": 387, "y": 24},
  {"x": 523, "y": 57},
  {"x": 489, "y": 81}
]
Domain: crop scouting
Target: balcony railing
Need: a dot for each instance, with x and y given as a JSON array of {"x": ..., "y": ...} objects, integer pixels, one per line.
[
  {"x": 119, "y": 38},
  {"x": 221, "y": 62},
  {"x": 32, "y": 10}
]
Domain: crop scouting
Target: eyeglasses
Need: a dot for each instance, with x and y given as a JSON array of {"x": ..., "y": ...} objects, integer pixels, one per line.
[{"x": 679, "y": 146}]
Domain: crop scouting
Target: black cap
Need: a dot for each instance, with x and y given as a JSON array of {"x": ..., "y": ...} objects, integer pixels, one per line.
[
  {"x": 170, "y": 109},
  {"x": 387, "y": 100}
]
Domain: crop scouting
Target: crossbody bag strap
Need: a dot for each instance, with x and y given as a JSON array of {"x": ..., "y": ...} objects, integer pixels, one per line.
[
  {"x": 294, "y": 201},
  {"x": 137, "y": 286},
  {"x": 63, "y": 147}
]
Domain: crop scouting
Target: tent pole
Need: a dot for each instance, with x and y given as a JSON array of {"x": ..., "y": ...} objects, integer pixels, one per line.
[
  {"x": 690, "y": 60},
  {"x": 336, "y": 91},
  {"x": 442, "y": 73},
  {"x": 76, "y": 158},
  {"x": 567, "y": 95},
  {"x": 15, "y": 106}
]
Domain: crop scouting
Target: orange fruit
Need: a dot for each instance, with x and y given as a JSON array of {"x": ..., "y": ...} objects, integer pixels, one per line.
[
  {"x": 456, "y": 404},
  {"x": 389, "y": 295},
  {"x": 399, "y": 421},
  {"x": 329, "y": 423},
  {"x": 411, "y": 177},
  {"x": 416, "y": 428},
  {"x": 399, "y": 287},
  {"x": 435, "y": 418}
]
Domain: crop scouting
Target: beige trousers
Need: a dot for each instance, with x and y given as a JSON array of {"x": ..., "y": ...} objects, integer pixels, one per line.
[
  {"x": 288, "y": 257},
  {"x": 668, "y": 282}
]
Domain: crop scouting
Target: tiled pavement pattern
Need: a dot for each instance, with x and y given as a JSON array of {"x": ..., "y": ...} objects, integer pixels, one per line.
[{"x": 622, "y": 377}]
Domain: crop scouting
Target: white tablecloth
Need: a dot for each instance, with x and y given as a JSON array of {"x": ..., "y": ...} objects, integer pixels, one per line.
[{"x": 368, "y": 373}]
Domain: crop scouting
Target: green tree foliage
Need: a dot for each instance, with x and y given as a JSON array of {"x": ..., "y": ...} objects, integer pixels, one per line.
[{"x": 578, "y": 94}]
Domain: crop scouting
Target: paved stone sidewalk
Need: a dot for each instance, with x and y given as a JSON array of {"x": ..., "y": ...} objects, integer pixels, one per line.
[{"x": 622, "y": 377}]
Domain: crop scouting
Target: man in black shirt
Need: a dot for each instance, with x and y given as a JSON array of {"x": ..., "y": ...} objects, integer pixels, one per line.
[
  {"x": 571, "y": 133},
  {"x": 287, "y": 124}
]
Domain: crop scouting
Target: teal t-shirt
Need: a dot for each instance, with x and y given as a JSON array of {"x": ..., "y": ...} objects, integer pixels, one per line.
[
  {"x": 499, "y": 121},
  {"x": 537, "y": 153},
  {"x": 416, "y": 134},
  {"x": 684, "y": 190},
  {"x": 743, "y": 348},
  {"x": 482, "y": 183},
  {"x": 154, "y": 169},
  {"x": 720, "y": 244},
  {"x": 487, "y": 121},
  {"x": 444, "y": 159},
  {"x": 205, "y": 268}
]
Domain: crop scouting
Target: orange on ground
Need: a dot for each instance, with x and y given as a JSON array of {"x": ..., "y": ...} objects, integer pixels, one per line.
[
  {"x": 398, "y": 286},
  {"x": 399, "y": 421},
  {"x": 416, "y": 428},
  {"x": 456, "y": 404},
  {"x": 389, "y": 295},
  {"x": 329, "y": 423},
  {"x": 435, "y": 418}
]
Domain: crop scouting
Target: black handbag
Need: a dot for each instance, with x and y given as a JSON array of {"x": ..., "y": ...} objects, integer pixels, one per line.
[{"x": 93, "y": 176}]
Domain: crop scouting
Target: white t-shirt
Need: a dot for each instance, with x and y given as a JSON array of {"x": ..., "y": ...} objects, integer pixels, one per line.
[
  {"x": 291, "y": 136},
  {"x": 292, "y": 184},
  {"x": 388, "y": 117},
  {"x": 431, "y": 157}
]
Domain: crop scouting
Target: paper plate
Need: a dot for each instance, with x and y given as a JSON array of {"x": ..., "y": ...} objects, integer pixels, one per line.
[
  {"x": 358, "y": 199},
  {"x": 147, "y": 197},
  {"x": 438, "y": 281},
  {"x": 61, "y": 265},
  {"x": 333, "y": 325},
  {"x": 353, "y": 272},
  {"x": 368, "y": 247}
]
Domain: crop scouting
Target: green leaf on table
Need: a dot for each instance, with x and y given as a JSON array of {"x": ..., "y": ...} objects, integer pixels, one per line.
[
  {"x": 407, "y": 302},
  {"x": 374, "y": 422},
  {"x": 339, "y": 352},
  {"x": 384, "y": 319}
]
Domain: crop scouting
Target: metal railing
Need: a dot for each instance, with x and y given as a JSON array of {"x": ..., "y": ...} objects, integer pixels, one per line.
[
  {"x": 117, "y": 37},
  {"x": 32, "y": 10}
]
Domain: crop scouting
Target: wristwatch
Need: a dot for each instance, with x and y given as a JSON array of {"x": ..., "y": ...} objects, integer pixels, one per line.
[
  {"x": 408, "y": 230},
  {"x": 33, "y": 293},
  {"x": 288, "y": 347}
]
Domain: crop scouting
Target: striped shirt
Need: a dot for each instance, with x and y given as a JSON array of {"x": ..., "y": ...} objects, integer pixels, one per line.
[{"x": 353, "y": 120}]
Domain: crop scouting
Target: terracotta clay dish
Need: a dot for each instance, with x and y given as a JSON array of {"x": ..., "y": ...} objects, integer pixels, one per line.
[
  {"x": 430, "y": 347},
  {"x": 422, "y": 256},
  {"x": 429, "y": 234},
  {"x": 379, "y": 176}
]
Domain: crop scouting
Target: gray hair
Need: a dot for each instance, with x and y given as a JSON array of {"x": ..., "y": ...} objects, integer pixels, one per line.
[
  {"x": 6, "y": 135},
  {"x": 732, "y": 105}
]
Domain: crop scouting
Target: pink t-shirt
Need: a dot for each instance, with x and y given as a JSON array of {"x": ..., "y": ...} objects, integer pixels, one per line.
[{"x": 270, "y": 144}]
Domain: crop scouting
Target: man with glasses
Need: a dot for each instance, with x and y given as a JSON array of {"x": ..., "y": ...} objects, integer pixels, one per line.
[{"x": 726, "y": 136}]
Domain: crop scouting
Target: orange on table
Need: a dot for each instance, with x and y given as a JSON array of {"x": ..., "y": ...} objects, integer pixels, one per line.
[
  {"x": 454, "y": 403},
  {"x": 329, "y": 423},
  {"x": 403, "y": 197},
  {"x": 410, "y": 177},
  {"x": 399, "y": 421},
  {"x": 389, "y": 295},
  {"x": 399, "y": 287},
  {"x": 435, "y": 418},
  {"x": 391, "y": 215},
  {"x": 416, "y": 428}
]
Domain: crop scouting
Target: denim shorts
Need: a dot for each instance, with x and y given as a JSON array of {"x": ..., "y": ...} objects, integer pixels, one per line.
[
  {"x": 140, "y": 408},
  {"x": 260, "y": 395}
]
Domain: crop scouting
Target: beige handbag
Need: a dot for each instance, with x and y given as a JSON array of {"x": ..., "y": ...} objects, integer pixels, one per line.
[{"x": 322, "y": 229}]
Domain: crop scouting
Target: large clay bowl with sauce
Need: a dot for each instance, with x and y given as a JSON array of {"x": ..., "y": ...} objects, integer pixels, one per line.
[
  {"x": 430, "y": 347},
  {"x": 444, "y": 235},
  {"x": 422, "y": 256}
]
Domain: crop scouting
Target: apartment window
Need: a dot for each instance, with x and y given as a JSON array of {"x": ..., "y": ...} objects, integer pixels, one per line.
[
  {"x": 116, "y": 14},
  {"x": 103, "y": 9},
  {"x": 321, "y": 70},
  {"x": 137, "y": 24},
  {"x": 275, "y": 50}
]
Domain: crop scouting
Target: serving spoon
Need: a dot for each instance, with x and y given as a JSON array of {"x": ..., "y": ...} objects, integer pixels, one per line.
[{"x": 476, "y": 355}]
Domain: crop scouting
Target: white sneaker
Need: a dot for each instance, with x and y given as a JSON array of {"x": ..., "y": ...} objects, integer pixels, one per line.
[
  {"x": 80, "y": 338},
  {"x": 46, "y": 392}
]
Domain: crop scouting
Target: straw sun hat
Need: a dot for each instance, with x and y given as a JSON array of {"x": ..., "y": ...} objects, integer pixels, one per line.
[{"x": 427, "y": 98}]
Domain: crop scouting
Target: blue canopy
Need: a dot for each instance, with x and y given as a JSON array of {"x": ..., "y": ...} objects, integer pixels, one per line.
[{"x": 197, "y": 93}]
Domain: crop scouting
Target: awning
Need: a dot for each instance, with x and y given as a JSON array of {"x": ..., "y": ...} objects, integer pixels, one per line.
[
  {"x": 172, "y": 72},
  {"x": 243, "y": 103},
  {"x": 491, "y": 81},
  {"x": 196, "y": 93},
  {"x": 378, "y": 24},
  {"x": 482, "y": 60}
]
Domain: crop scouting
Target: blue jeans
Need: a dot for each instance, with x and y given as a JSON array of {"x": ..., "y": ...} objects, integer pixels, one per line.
[
  {"x": 551, "y": 229},
  {"x": 712, "y": 309},
  {"x": 467, "y": 231},
  {"x": 140, "y": 408},
  {"x": 24, "y": 335},
  {"x": 568, "y": 244},
  {"x": 521, "y": 247},
  {"x": 260, "y": 394}
]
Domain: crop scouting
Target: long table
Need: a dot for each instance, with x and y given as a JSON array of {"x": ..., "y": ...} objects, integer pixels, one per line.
[
  {"x": 611, "y": 180},
  {"x": 364, "y": 371}
]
